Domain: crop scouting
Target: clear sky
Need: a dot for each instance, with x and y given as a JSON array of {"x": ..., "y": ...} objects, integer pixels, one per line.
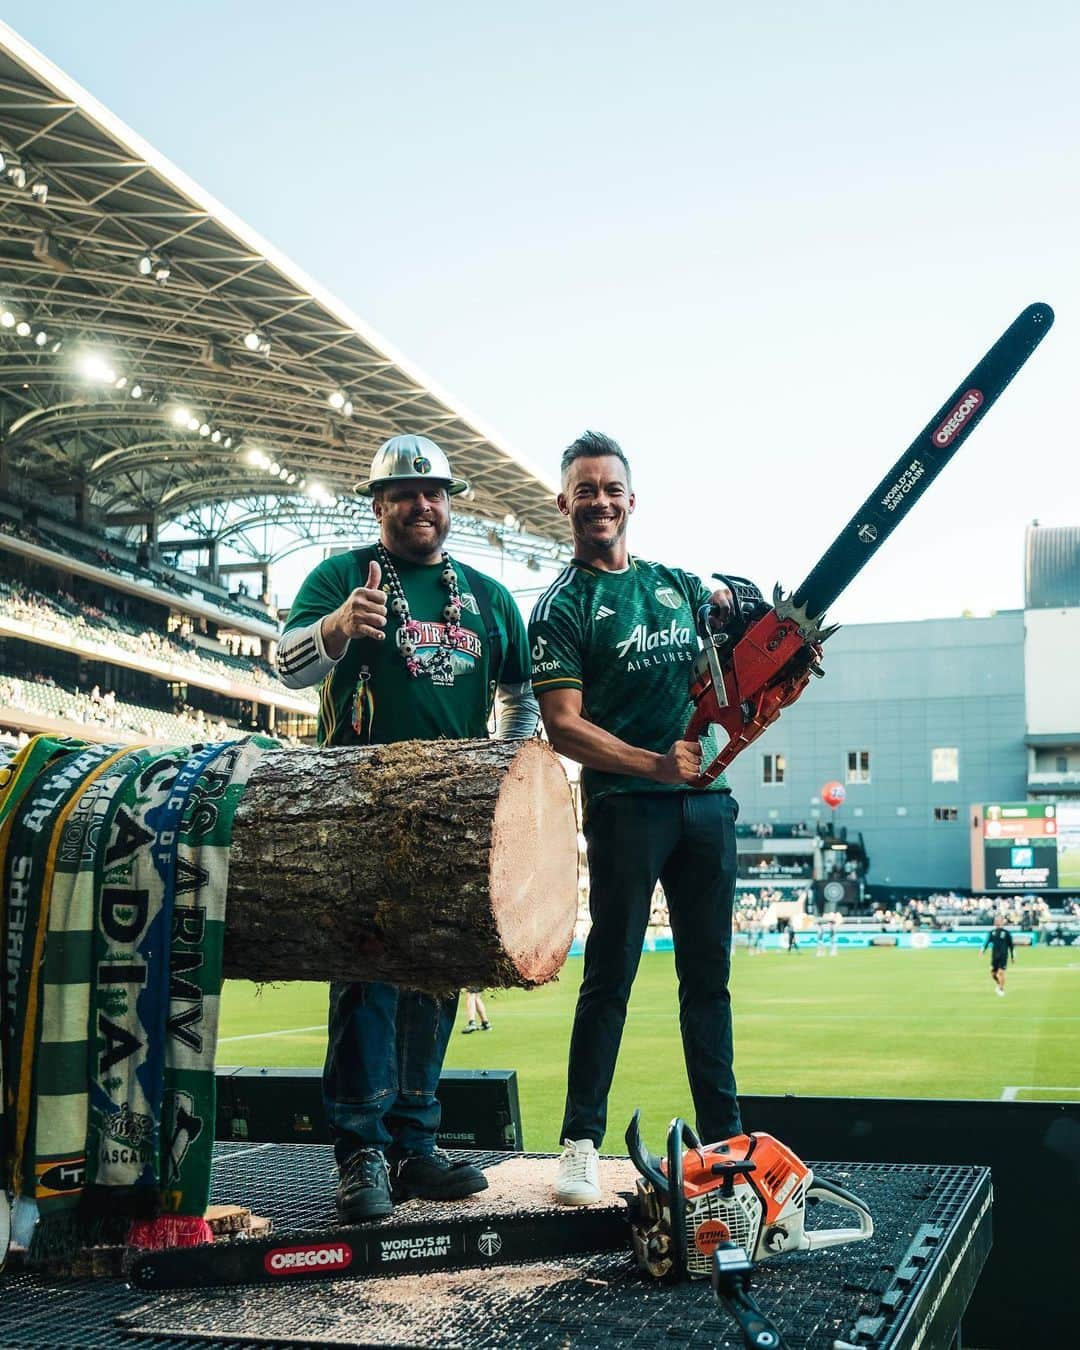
[{"x": 757, "y": 243}]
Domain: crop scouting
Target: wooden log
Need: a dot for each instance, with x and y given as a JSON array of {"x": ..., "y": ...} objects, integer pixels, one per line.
[{"x": 429, "y": 864}]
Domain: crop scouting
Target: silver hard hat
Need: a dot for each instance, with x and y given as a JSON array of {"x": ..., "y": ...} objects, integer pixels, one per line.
[{"x": 410, "y": 457}]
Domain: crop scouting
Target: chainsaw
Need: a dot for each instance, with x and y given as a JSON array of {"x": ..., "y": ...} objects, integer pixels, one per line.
[
  {"x": 749, "y": 1190},
  {"x": 756, "y": 659}
]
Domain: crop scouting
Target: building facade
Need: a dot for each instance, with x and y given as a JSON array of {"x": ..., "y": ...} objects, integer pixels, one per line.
[{"x": 921, "y": 721}]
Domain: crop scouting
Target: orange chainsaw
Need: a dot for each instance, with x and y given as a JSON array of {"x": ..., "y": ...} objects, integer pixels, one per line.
[
  {"x": 749, "y": 1190},
  {"x": 756, "y": 658}
]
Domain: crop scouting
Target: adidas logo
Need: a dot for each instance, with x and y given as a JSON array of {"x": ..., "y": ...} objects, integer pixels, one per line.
[{"x": 603, "y": 613}]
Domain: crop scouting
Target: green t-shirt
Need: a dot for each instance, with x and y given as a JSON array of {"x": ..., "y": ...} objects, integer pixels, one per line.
[
  {"x": 627, "y": 640},
  {"x": 370, "y": 698}
]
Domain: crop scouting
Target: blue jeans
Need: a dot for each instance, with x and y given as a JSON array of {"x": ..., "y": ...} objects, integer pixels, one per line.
[
  {"x": 383, "y": 1060},
  {"x": 686, "y": 840}
]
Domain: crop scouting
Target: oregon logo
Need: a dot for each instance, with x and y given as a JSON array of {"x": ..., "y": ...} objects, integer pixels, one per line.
[
  {"x": 307, "y": 1260},
  {"x": 422, "y": 464},
  {"x": 490, "y": 1243},
  {"x": 950, "y": 428},
  {"x": 709, "y": 1235},
  {"x": 668, "y": 596}
]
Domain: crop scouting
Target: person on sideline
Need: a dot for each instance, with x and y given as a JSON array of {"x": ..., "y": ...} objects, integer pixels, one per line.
[{"x": 1000, "y": 942}]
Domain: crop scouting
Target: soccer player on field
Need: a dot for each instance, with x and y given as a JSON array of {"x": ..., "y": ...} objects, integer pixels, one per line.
[
  {"x": 1000, "y": 942},
  {"x": 613, "y": 639}
]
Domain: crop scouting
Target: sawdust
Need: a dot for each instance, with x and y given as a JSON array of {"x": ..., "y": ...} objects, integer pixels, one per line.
[{"x": 524, "y": 1185}]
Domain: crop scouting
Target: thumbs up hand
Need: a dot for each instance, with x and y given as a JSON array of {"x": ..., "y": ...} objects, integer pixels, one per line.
[{"x": 363, "y": 615}]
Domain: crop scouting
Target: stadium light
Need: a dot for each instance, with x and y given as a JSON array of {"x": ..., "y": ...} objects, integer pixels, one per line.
[
  {"x": 215, "y": 436},
  {"x": 193, "y": 423},
  {"x": 510, "y": 521},
  {"x": 16, "y": 174},
  {"x": 56, "y": 346},
  {"x": 347, "y": 408},
  {"x": 3, "y": 161},
  {"x": 136, "y": 391},
  {"x": 257, "y": 341},
  {"x": 92, "y": 366},
  {"x": 274, "y": 466},
  {"x": 162, "y": 272},
  {"x": 291, "y": 479},
  {"x": 7, "y": 319},
  {"x": 121, "y": 382},
  {"x": 22, "y": 328},
  {"x": 337, "y": 399},
  {"x": 40, "y": 191},
  {"x": 204, "y": 429},
  {"x": 145, "y": 265},
  {"x": 180, "y": 416},
  {"x": 41, "y": 338},
  {"x": 228, "y": 442}
]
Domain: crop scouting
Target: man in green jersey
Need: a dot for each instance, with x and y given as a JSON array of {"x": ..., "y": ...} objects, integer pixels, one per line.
[
  {"x": 613, "y": 639},
  {"x": 408, "y": 645}
]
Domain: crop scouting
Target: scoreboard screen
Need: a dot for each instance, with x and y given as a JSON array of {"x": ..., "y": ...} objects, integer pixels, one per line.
[{"x": 1026, "y": 846}]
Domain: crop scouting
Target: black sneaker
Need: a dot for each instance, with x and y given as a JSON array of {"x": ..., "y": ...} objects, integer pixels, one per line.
[
  {"x": 433, "y": 1176},
  {"x": 363, "y": 1189}
]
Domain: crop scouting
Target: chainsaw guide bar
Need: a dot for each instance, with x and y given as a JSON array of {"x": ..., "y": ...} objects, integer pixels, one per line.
[{"x": 388, "y": 1249}]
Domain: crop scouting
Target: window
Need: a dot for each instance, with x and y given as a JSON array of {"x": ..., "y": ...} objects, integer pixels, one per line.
[
  {"x": 946, "y": 812},
  {"x": 772, "y": 768},
  {"x": 1062, "y": 764},
  {"x": 945, "y": 764},
  {"x": 858, "y": 766}
]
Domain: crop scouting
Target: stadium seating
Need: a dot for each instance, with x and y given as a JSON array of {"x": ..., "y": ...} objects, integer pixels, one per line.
[{"x": 64, "y": 615}]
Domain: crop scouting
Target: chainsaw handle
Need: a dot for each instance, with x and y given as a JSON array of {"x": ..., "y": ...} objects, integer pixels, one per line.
[
  {"x": 679, "y": 1133},
  {"x": 815, "y": 1239}
]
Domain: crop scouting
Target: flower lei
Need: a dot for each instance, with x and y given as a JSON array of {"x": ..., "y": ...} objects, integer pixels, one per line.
[{"x": 408, "y": 633}]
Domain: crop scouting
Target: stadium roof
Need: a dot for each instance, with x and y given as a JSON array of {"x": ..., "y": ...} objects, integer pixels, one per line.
[
  {"x": 1052, "y": 567},
  {"x": 157, "y": 355}
]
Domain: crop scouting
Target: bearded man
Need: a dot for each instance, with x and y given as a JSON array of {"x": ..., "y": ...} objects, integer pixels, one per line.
[
  {"x": 613, "y": 640},
  {"x": 408, "y": 644}
]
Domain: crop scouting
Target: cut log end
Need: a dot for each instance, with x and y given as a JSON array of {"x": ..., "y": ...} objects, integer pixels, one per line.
[{"x": 533, "y": 864}]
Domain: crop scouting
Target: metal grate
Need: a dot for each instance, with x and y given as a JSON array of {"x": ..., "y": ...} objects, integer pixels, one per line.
[{"x": 866, "y": 1294}]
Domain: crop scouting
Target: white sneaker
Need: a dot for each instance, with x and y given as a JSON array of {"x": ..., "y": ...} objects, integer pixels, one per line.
[
  {"x": 1001, "y": 991},
  {"x": 578, "y": 1179}
]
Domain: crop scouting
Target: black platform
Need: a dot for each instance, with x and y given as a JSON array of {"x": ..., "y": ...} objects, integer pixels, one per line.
[{"x": 906, "y": 1287}]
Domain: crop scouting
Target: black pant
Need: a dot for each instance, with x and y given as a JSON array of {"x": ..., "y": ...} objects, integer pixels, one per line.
[{"x": 686, "y": 840}]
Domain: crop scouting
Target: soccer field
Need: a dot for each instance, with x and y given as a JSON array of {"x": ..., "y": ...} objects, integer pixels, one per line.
[{"x": 876, "y": 1022}]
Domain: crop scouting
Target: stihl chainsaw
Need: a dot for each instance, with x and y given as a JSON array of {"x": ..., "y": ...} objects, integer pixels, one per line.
[
  {"x": 765, "y": 655},
  {"x": 750, "y": 1190}
]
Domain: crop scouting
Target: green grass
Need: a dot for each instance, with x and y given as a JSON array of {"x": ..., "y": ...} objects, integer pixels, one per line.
[{"x": 868, "y": 1022}]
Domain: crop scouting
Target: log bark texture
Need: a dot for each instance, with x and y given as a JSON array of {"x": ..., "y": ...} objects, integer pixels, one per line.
[{"x": 429, "y": 864}]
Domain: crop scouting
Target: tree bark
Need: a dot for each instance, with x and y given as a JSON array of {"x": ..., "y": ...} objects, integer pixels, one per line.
[{"x": 433, "y": 865}]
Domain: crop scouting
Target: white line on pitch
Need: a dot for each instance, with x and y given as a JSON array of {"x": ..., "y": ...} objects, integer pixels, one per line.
[
  {"x": 263, "y": 1035},
  {"x": 1009, "y": 1094}
]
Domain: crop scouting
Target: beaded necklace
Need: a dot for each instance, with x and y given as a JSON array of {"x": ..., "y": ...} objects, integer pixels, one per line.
[{"x": 409, "y": 631}]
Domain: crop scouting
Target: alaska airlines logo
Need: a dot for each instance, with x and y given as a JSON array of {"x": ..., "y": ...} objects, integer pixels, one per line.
[
  {"x": 641, "y": 640},
  {"x": 950, "y": 428}
]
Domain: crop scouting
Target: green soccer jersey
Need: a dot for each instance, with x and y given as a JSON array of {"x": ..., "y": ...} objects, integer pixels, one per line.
[
  {"x": 370, "y": 698},
  {"x": 627, "y": 640}
]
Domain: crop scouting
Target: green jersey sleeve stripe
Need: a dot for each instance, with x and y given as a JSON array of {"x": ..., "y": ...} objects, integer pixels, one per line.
[
  {"x": 562, "y": 680},
  {"x": 542, "y": 608}
]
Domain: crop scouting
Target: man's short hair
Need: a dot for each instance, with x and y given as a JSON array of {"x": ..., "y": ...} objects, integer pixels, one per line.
[{"x": 593, "y": 445}]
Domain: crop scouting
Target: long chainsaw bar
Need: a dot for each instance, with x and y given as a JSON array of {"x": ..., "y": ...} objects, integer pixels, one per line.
[{"x": 743, "y": 681}]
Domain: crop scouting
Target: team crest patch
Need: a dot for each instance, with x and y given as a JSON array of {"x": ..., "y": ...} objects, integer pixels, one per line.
[
  {"x": 670, "y": 597},
  {"x": 422, "y": 464},
  {"x": 468, "y": 601}
]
